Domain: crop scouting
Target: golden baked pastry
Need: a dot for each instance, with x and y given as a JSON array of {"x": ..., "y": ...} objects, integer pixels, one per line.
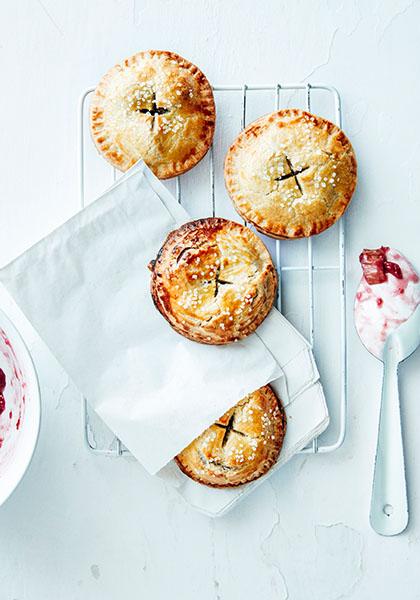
[
  {"x": 157, "y": 106},
  {"x": 241, "y": 446},
  {"x": 291, "y": 174},
  {"x": 213, "y": 281}
]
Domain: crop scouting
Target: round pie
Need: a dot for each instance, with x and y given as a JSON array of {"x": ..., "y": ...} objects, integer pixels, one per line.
[
  {"x": 291, "y": 174},
  {"x": 157, "y": 106},
  {"x": 241, "y": 446},
  {"x": 213, "y": 280}
]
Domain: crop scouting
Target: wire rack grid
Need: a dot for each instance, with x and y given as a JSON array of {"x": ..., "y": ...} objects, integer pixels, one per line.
[{"x": 338, "y": 265}]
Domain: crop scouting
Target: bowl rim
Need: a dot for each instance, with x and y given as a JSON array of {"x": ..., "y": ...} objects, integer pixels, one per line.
[{"x": 18, "y": 472}]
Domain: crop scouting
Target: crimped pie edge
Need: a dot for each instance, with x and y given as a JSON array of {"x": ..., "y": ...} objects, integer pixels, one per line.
[
  {"x": 244, "y": 209},
  {"x": 159, "y": 294},
  {"x": 280, "y": 432},
  {"x": 170, "y": 169}
]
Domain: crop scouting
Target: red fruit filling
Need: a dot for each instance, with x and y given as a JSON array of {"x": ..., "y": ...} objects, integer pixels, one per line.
[
  {"x": 2, "y": 386},
  {"x": 376, "y": 267}
]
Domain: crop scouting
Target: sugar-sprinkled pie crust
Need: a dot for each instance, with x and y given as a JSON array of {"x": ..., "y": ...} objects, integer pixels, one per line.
[
  {"x": 157, "y": 106},
  {"x": 291, "y": 174},
  {"x": 213, "y": 281},
  {"x": 241, "y": 446}
]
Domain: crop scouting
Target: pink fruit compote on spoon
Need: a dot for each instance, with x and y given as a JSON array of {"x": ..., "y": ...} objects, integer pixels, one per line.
[{"x": 388, "y": 294}]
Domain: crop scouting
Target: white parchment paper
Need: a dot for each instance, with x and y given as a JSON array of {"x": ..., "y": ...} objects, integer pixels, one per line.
[{"x": 85, "y": 289}]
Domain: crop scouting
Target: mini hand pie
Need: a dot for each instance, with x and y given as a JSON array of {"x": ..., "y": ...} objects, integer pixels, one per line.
[
  {"x": 157, "y": 106},
  {"x": 213, "y": 281},
  {"x": 241, "y": 446},
  {"x": 291, "y": 174}
]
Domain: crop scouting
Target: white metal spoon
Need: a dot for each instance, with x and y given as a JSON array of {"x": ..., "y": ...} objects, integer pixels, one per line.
[{"x": 389, "y": 508}]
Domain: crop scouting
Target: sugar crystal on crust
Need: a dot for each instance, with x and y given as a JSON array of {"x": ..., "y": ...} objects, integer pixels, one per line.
[
  {"x": 282, "y": 173},
  {"x": 241, "y": 445}
]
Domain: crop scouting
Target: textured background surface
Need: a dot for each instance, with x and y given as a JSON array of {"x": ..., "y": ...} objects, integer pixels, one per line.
[{"x": 84, "y": 527}]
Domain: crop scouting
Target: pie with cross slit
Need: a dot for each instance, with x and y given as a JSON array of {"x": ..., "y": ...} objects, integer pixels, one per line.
[
  {"x": 157, "y": 106},
  {"x": 241, "y": 446},
  {"x": 213, "y": 280},
  {"x": 291, "y": 174}
]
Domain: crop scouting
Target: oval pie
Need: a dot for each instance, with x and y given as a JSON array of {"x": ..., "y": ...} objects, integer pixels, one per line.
[
  {"x": 241, "y": 446},
  {"x": 157, "y": 106},
  {"x": 291, "y": 174},
  {"x": 213, "y": 281}
]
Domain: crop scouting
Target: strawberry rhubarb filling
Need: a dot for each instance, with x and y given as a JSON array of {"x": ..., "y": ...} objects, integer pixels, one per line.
[{"x": 388, "y": 294}]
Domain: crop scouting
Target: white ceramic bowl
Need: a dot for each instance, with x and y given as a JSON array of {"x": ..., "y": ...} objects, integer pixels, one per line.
[{"x": 20, "y": 408}]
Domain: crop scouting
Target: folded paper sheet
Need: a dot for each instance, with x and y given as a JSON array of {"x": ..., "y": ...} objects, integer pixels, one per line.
[
  {"x": 85, "y": 289},
  {"x": 307, "y": 417}
]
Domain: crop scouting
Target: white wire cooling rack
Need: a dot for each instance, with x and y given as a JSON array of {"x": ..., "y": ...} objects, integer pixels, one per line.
[{"x": 333, "y": 266}]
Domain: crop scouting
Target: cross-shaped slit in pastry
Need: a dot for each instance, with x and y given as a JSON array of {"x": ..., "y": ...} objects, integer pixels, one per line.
[
  {"x": 219, "y": 281},
  {"x": 229, "y": 428},
  {"x": 151, "y": 110},
  {"x": 293, "y": 174},
  {"x": 155, "y": 110},
  {"x": 204, "y": 271}
]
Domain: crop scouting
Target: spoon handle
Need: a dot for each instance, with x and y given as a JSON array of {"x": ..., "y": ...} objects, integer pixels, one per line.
[{"x": 389, "y": 510}]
